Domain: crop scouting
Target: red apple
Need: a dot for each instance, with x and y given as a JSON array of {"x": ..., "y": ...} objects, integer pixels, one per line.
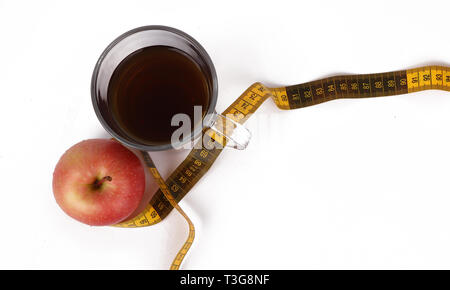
[{"x": 99, "y": 182}]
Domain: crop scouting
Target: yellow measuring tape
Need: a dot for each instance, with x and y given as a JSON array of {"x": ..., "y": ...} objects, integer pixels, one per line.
[{"x": 198, "y": 162}]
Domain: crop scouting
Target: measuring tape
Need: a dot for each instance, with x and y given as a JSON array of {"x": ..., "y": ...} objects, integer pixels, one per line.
[{"x": 198, "y": 162}]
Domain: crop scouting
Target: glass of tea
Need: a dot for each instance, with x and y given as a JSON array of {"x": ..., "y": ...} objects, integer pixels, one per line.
[{"x": 149, "y": 75}]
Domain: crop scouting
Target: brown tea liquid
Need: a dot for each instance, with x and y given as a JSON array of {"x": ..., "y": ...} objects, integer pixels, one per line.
[{"x": 150, "y": 86}]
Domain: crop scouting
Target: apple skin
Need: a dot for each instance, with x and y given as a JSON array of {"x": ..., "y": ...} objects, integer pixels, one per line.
[{"x": 99, "y": 182}]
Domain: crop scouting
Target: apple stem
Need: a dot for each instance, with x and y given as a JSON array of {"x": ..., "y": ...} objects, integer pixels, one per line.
[{"x": 98, "y": 182}]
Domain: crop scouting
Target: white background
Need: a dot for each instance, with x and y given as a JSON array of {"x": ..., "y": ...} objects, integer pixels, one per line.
[{"x": 347, "y": 184}]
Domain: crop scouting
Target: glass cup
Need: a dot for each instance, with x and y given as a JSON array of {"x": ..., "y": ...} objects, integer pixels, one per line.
[{"x": 147, "y": 36}]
